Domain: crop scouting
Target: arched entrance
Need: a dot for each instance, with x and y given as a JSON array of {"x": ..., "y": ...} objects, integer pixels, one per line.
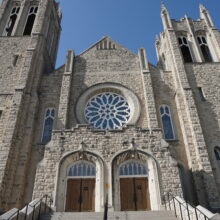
[
  {"x": 80, "y": 193},
  {"x": 135, "y": 180},
  {"x": 79, "y": 182},
  {"x": 134, "y": 188}
]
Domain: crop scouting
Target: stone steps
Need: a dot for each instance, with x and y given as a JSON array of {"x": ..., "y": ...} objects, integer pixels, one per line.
[{"x": 140, "y": 215}]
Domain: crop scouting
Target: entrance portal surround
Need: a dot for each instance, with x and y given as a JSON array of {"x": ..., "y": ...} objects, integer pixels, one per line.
[
  {"x": 153, "y": 177},
  {"x": 107, "y": 179},
  {"x": 62, "y": 178}
]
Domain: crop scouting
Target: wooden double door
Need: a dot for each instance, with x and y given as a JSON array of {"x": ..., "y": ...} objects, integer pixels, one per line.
[
  {"x": 134, "y": 194},
  {"x": 80, "y": 196}
]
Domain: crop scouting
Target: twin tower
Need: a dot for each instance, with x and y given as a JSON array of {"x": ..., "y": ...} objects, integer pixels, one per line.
[{"x": 107, "y": 119}]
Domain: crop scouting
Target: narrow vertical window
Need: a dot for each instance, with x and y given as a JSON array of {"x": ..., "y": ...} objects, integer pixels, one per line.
[
  {"x": 201, "y": 93},
  {"x": 184, "y": 46},
  {"x": 15, "y": 59},
  {"x": 204, "y": 49},
  {"x": 11, "y": 22},
  {"x": 48, "y": 125},
  {"x": 182, "y": 176},
  {"x": 217, "y": 153},
  {"x": 167, "y": 122},
  {"x": 30, "y": 20}
]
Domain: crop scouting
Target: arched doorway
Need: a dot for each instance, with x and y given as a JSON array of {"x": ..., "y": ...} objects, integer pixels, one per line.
[
  {"x": 80, "y": 193},
  {"x": 137, "y": 172},
  {"x": 76, "y": 169},
  {"x": 134, "y": 187}
]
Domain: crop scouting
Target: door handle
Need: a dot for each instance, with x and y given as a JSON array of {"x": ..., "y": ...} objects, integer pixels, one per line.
[
  {"x": 139, "y": 187},
  {"x": 80, "y": 200},
  {"x": 134, "y": 198}
]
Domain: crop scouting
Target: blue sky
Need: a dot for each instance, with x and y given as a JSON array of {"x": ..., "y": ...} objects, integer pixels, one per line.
[{"x": 132, "y": 23}]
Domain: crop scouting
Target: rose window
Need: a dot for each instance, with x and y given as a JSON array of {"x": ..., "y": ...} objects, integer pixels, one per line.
[{"x": 107, "y": 111}]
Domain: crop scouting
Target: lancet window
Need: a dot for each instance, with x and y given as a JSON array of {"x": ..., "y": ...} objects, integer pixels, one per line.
[
  {"x": 48, "y": 124},
  {"x": 167, "y": 123},
  {"x": 184, "y": 47},
  {"x": 12, "y": 20},
  {"x": 30, "y": 20},
  {"x": 204, "y": 48}
]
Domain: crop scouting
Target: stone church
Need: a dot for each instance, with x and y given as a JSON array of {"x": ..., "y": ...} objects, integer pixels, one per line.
[{"x": 107, "y": 122}]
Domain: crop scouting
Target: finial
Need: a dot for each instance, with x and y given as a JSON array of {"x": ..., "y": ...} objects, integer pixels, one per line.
[
  {"x": 82, "y": 146},
  {"x": 157, "y": 38},
  {"x": 162, "y": 5},
  {"x": 133, "y": 146},
  {"x": 82, "y": 150},
  {"x": 202, "y": 7}
]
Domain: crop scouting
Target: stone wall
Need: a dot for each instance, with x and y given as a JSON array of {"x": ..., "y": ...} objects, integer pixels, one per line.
[
  {"x": 20, "y": 78},
  {"x": 207, "y": 77},
  {"x": 12, "y": 59},
  {"x": 106, "y": 144},
  {"x": 100, "y": 66}
]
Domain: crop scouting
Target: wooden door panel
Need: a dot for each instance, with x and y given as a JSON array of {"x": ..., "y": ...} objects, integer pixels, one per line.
[
  {"x": 142, "y": 195},
  {"x": 88, "y": 195},
  {"x": 73, "y": 195},
  {"x": 127, "y": 194}
]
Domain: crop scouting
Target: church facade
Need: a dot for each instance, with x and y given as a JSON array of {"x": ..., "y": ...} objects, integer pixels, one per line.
[{"x": 107, "y": 122}]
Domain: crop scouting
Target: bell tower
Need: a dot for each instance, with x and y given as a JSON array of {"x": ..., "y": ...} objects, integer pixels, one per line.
[
  {"x": 182, "y": 47},
  {"x": 29, "y": 36}
]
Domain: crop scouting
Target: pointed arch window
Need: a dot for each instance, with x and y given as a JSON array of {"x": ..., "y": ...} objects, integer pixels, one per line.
[
  {"x": 48, "y": 125},
  {"x": 133, "y": 168},
  {"x": 184, "y": 46},
  {"x": 82, "y": 169},
  {"x": 30, "y": 20},
  {"x": 11, "y": 22},
  {"x": 167, "y": 123},
  {"x": 204, "y": 49}
]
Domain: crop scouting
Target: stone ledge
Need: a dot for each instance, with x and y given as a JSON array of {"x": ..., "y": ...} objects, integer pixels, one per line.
[
  {"x": 201, "y": 63},
  {"x": 127, "y": 128}
]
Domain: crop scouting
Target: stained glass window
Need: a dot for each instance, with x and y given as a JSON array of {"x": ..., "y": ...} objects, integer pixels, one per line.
[
  {"x": 133, "y": 169},
  {"x": 82, "y": 169},
  {"x": 167, "y": 122},
  {"x": 107, "y": 111},
  {"x": 48, "y": 125}
]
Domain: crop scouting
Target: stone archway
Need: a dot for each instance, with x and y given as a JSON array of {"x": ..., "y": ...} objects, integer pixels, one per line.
[
  {"x": 149, "y": 181},
  {"x": 66, "y": 179}
]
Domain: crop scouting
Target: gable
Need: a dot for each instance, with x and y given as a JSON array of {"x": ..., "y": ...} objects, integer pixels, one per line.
[{"x": 108, "y": 46}]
